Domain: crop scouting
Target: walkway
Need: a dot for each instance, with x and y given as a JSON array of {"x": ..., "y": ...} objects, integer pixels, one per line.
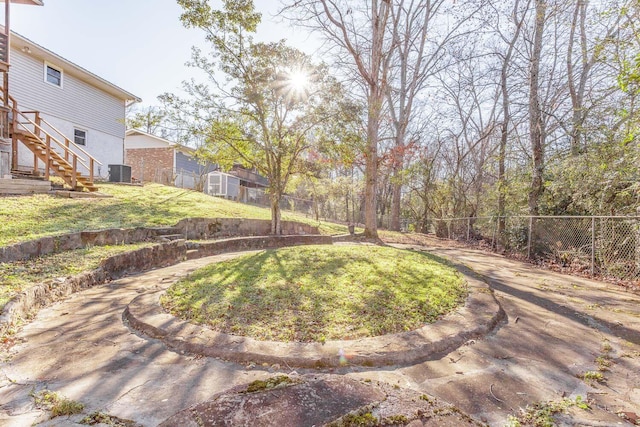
[
  {"x": 81, "y": 349},
  {"x": 557, "y": 325},
  {"x": 555, "y": 329}
]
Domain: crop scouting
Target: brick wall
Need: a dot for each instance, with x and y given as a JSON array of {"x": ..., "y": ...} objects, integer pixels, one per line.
[{"x": 151, "y": 164}]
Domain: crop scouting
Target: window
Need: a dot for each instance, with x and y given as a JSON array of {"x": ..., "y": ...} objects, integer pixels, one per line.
[
  {"x": 80, "y": 136},
  {"x": 53, "y": 75}
]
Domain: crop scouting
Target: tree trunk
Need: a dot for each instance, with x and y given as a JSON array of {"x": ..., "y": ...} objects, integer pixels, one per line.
[
  {"x": 504, "y": 134},
  {"x": 424, "y": 226},
  {"x": 536, "y": 122},
  {"x": 376, "y": 87},
  {"x": 502, "y": 180},
  {"x": 335, "y": 19},
  {"x": 276, "y": 226},
  {"x": 346, "y": 204},
  {"x": 396, "y": 199},
  {"x": 576, "y": 99}
]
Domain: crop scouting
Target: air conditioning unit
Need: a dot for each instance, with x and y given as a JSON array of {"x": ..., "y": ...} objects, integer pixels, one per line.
[{"x": 119, "y": 173}]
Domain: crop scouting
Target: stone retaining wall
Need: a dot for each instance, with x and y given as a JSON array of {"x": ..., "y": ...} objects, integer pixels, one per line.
[
  {"x": 71, "y": 241},
  {"x": 250, "y": 243},
  {"x": 210, "y": 228},
  {"x": 32, "y": 299},
  {"x": 191, "y": 228},
  {"x": 29, "y": 301}
]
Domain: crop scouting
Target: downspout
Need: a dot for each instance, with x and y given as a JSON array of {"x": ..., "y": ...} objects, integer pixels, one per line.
[
  {"x": 7, "y": 30},
  {"x": 127, "y": 103}
]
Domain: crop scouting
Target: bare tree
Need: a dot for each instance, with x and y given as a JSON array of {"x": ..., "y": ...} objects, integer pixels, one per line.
[
  {"x": 343, "y": 23},
  {"x": 518, "y": 21},
  {"x": 537, "y": 132},
  {"x": 581, "y": 64},
  {"x": 419, "y": 51}
]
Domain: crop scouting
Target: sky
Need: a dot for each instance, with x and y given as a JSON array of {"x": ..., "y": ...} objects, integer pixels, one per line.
[{"x": 139, "y": 45}]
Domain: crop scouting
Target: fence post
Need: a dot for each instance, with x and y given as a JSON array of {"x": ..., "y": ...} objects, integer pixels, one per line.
[
  {"x": 468, "y": 229},
  {"x": 530, "y": 237},
  {"x": 593, "y": 246},
  {"x": 637, "y": 241}
]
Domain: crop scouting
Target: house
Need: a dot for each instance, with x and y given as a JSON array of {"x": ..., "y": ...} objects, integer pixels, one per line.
[
  {"x": 156, "y": 159},
  {"x": 58, "y": 118}
]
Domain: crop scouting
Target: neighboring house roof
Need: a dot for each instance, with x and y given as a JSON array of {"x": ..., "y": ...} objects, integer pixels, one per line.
[
  {"x": 21, "y": 42},
  {"x": 170, "y": 144}
]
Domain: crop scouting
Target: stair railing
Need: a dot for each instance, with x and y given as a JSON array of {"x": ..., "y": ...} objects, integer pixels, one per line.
[
  {"x": 10, "y": 121},
  {"x": 18, "y": 124},
  {"x": 69, "y": 143}
]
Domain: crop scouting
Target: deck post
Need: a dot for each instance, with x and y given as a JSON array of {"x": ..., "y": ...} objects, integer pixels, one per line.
[
  {"x": 14, "y": 152},
  {"x": 74, "y": 175},
  {"x": 48, "y": 157}
]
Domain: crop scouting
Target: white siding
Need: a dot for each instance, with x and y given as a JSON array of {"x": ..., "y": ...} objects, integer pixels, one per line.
[
  {"x": 107, "y": 149},
  {"x": 76, "y": 102}
]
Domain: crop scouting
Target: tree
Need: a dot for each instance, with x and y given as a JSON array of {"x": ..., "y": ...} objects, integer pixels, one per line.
[
  {"x": 149, "y": 119},
  {"x": 265, "y": 102},
  {"x": 506, "y": 114},
  {"x": 343, "y": 23},
  {"x": 419, "y": 51},
  {"x": 537, "y": 132}
]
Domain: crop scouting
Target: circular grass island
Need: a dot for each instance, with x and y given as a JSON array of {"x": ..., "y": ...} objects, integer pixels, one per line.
[{"x": 319, "y": 293}]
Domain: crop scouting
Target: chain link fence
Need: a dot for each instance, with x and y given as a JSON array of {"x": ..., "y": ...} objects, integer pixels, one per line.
[
  {"x": 175, "y": 177},
  {"x": 606, "y": 246}
]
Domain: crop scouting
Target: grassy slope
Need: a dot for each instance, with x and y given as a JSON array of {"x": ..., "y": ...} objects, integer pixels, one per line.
[
  {"x": 31, "y": 217},
  {"x": 320, "y": 292}
]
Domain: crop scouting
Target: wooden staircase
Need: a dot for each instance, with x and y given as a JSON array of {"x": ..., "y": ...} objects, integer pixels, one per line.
[{"x": 60, "y": 156}]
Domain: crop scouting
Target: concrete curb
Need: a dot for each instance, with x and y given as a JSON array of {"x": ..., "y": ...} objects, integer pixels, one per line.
[{"x": 479, "y": 316}]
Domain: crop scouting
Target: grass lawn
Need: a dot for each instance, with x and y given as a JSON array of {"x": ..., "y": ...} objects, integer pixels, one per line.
[
  {"x": 318, "y": 293},
  {"x": 30, "y": 217},
  {"x": 16, "y": 276}
]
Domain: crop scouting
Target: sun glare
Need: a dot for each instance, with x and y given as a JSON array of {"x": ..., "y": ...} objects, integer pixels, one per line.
[
  {"x": 294, "y": 84},
  {"x": 299, "y": 80}
]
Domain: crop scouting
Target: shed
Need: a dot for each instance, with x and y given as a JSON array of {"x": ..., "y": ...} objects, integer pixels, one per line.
[{"x": 223, "y": 184}]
